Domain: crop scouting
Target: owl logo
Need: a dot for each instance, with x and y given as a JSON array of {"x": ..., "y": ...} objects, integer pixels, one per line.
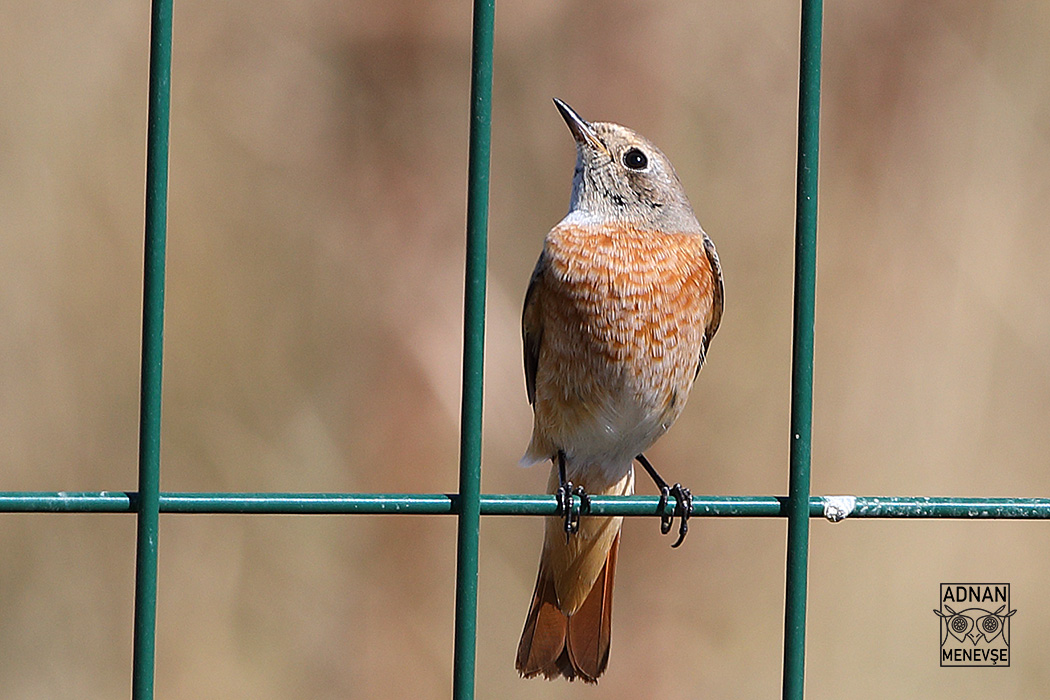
[
  {"x": 974, "y": 624},
  {"x": 974, "y": 636}
]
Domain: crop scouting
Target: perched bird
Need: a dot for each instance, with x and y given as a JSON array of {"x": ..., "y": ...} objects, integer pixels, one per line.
[{"x": 619, "y": 313}]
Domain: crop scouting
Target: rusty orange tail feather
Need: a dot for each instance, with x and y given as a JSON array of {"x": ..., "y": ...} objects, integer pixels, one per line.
[
  {"x": 573, "y": 646},
  {"x": 543, "y": 639}
]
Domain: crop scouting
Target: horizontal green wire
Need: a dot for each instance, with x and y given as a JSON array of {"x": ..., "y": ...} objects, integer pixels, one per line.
[{"x": 506, "y": 504}]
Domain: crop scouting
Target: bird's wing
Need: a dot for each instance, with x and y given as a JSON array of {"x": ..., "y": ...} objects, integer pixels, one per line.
[
  {"x": 718, "y": 294},
  {"x": 532, "y": 328}
]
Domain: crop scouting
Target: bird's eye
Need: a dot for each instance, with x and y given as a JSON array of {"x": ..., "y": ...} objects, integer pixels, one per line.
[{"x": 635, "y": 159}]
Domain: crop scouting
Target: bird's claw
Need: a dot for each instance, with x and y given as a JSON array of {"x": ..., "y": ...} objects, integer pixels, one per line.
[
  {"x": 564, "y": 495},
  {"x": 661, "y": 506},
  {"x": 683, "y": 508}
]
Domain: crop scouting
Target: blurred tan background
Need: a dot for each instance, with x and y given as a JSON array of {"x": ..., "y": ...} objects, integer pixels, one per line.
[{"x": 313, "y": 336}]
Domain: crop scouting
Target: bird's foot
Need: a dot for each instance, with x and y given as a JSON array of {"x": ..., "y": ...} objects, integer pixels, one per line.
[
  {"x": 683, "y": 508},
  {"x": 564, "y": 495}
]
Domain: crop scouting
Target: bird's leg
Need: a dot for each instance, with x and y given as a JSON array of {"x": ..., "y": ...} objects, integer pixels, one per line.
[
  {"x": 683, "y": 502},
  {"x": 665, "y": 493},
  {"x": 564, "y": 494}
]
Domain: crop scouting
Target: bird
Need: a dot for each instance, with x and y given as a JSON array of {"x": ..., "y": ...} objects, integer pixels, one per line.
[{"x": 618, "y": 317}]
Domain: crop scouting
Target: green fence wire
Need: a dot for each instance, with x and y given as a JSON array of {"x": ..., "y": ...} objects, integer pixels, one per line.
[
  {"x": 802, "y": 350},
  {"x": 469, "y": 500},
  {"x": 469, "y": 504},
  {"x": 148, "y": 500},
  {"x": 833, "y": 508}
]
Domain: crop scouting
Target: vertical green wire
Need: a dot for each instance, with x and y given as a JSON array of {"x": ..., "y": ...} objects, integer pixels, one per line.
[
  {"x": 473, "y": 351},
  {"x": 152, "y": 351},
  {"x": 802, "y": 352}
]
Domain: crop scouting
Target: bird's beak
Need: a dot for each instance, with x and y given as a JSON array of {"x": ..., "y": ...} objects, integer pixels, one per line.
[{"x": 581, "y": 130}]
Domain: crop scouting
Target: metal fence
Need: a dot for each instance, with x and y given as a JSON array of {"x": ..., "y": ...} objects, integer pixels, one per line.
[{"x": 469, "y": 504}]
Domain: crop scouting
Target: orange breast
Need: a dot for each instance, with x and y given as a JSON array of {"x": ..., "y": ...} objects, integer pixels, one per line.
[{"x": 622, "y": 315}]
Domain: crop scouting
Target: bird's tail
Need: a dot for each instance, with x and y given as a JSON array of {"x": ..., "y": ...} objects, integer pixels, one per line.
[
  {"x": 574, "y": 646},
  {"x": 569, "y": 625}
]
